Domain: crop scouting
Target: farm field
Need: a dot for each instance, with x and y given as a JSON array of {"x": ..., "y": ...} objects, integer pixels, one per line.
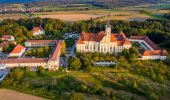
[
  {"x": 125, "y": 13},
  {"x": 12, "y": 16},
  {"x": 95, "y": 14}
]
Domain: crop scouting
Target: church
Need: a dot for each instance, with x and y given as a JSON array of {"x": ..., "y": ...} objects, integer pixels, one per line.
[{"x": 104, "y": 41}]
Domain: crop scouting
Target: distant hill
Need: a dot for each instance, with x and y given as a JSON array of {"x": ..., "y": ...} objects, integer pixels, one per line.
[
  {"x": 100, "y": 3},
  {"x": 16, "y": 1}
]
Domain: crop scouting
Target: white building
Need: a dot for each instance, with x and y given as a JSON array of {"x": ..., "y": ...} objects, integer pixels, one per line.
[
  {"x": 8, "y": 38},
  {"x": 104, "y": 41},
  {"x": 37, "y": 31},
  {"x": 154, "y": 55},
  {"x": 152, "y": 51},
  {"x": 17, "y": 51},
  {"x": 39, "y": 43},
  {"x": 51, "y": 63}
]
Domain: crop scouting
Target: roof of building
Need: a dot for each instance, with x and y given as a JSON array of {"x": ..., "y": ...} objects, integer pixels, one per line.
[
  {"x": 155, "y": 53},
  {"x": 36, "y": 29},
  {"x": 119, "y": 38},
  {"x": 24, "y": 60},
  {"x": 17, "y": 49},
  {"x": 41, "y": 41},
  {"x": 56, "y": 51},
  {"x": 6, "y": 43},
  {"x": 6, "y": 36},
  {"x": 147, "y": 40}
]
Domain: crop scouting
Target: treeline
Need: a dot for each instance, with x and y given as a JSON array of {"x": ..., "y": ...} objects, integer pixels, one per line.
[{"x": 167, "y": 15}]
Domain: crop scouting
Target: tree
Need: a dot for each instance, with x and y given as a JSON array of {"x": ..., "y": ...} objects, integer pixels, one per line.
[
  {"x": 74, "y": 63},
  {"x": 63, "y": 48},
  {"x": 76, "y": 96},
  {"x": 17, "y": 74},
  {"x": 126, "y": 53},
  {"x": 8, "y": 48},
  {"x": 41, "y": 70}
]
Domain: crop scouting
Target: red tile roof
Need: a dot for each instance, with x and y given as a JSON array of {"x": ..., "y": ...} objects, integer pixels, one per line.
[
  {"x": 6, "y": 37},
  {"x": 113, "y": 38},
  {"x": 56, "y": 51},
  {"x": 79, "y": 41},
  {"x": 147, "y": 40},
  {"x": 119, "y": 38},
  {"x": 24, "y": 60},
  {"x": 41, "y": 41},
  {"x": 36, "y": 29},
  {"x": 17, "y": 49},
  {"x": 155, "y": 52},
  {"x": 127, "y": 42}
]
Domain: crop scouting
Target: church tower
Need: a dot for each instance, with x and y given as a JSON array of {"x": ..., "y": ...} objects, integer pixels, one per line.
[{"x": 108, "y": 29}]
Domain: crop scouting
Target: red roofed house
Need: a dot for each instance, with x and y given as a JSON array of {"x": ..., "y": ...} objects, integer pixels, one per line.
[
  {"x": 104, "y": 42},
  {"x": 152, "y": 51},
  {"x": 37, "y": 31},
  {"x": 7, "y": 38},
  {"x": 17, "y": 51}
]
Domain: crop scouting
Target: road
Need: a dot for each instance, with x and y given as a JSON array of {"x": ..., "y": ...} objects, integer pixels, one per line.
[
  {"x": 6, "y": 94},
  {"x": 70, "y": 53}
]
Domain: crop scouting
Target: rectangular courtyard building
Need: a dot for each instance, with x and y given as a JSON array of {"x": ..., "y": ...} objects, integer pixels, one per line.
[
  {"x": 104, "y": 41},
  {"x": 51, "y": 63}
]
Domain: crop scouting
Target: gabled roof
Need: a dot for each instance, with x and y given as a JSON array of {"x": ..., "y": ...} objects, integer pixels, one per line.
[
  {"x": 36, "y": 29},
  {"x": 147, "y": 40},
  {"x": 56, "y": 51},
  {"x": 24, "y": 60},
  {"x": 40, "y": 41},
  {"x": 119, "y": 38},
  {"x": 155, "y": 53},
  {"x": 6, "y": 36},
  {"x": 79, "y": 41},
  {"x": 17, "y": 49}
]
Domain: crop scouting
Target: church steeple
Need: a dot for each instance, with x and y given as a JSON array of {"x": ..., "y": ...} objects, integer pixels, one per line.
[{"x": 108, "y": 29}]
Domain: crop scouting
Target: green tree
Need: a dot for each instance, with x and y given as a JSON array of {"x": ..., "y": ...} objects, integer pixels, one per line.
[
  {"x": 63, "y": 48},
  {"x": 17, "y": 74},
  {"x": 74, "y": 63},
  {"x": 41, "y": 70},
  {"x": 76, "y": 96}
]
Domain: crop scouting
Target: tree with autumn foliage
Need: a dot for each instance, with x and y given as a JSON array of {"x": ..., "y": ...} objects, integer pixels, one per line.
[{"x": 63, "y": 48}]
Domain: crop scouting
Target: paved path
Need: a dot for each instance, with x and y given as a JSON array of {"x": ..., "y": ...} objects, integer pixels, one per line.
[{"x": 6, "y": 94}]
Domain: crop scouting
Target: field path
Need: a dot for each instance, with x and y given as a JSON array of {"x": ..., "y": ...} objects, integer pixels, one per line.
[{"x": 6, "y": 94}]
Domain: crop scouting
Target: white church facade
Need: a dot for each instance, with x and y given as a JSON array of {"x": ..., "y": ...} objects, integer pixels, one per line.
[{"x": 104, "y": 41}]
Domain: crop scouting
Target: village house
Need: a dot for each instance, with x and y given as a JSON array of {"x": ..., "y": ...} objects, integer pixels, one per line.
[
  {"x": 104, "y": 41},
  {"x": 8, "y": 38},
  {"x": 37, "y": 31},
  {"x": 17, "y": 51}
]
